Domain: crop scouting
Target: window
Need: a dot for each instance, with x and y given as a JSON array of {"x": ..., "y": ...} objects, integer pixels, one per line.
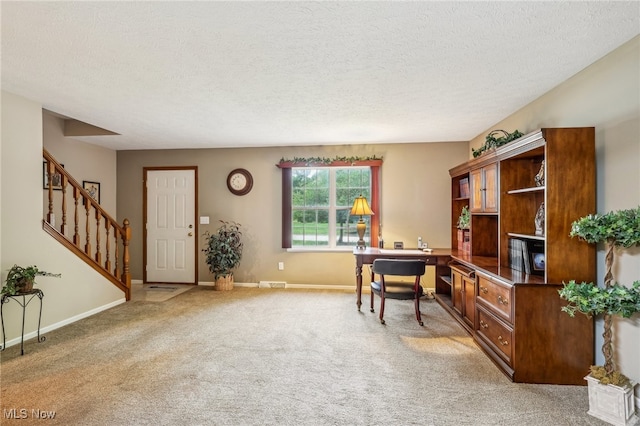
[
  {"x": 317, "y": 201},
  {"x": 321, "y": 201}
]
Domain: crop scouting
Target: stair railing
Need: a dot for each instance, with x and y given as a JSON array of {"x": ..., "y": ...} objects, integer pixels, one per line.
[{"x": 92, "y": 234}]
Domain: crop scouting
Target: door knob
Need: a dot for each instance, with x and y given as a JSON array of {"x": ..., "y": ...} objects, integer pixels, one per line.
[{"x": 191, "y": 234}]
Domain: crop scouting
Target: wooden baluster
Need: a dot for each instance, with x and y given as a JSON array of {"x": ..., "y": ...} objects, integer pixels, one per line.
[
  {"x": 116, "y": 270},
  {"x": 87, "y": 246},
  {"x": 107, "y": 262},
  {"x": 98, "y": 256},
  {"x": 50, "y": 170},
  {"x": 63, "y": 225},
  {"x": 76, "y": 218}
]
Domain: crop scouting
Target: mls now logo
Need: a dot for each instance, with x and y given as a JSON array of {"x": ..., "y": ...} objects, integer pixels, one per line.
[{"x": 23, "y": 413}]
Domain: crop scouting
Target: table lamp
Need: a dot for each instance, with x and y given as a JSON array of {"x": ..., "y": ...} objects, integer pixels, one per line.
[{"x": 361, "y": 208}]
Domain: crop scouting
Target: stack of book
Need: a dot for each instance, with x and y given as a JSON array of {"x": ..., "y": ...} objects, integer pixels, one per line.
[
  {"x": 464, "y": 241},
  {"x": 517, "y": 249}
]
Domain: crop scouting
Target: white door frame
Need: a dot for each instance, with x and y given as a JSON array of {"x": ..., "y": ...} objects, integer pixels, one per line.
[{"x": 144, "y": 213}]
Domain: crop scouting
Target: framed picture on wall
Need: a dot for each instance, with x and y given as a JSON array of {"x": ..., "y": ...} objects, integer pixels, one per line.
[
  {"x": 56, "y": 179},
  {"x": 93, "y": 188}
]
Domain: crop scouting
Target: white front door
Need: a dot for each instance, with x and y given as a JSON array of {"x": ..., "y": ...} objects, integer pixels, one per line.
[{"x": 171, "y": 226}]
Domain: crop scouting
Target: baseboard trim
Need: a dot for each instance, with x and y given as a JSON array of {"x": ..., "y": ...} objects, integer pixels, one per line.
[
  {"x": 67, "y": 321},
  {"x": 365, "y": 289},
  {"x": 288, "y": 285}
]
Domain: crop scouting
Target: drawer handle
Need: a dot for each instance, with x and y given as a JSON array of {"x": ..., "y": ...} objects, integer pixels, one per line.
[
  {"x": 484, "y": 290},
  {"x": 502, "y": 341},
  {"x": 483, "y": 324},
  {"x": 503, "y": 300}
]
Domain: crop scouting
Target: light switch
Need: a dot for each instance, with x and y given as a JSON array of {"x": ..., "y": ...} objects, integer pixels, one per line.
[{"x": 204, "y": 220}]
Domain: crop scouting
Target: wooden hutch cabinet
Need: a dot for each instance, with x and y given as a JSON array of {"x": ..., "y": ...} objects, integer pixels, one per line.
[{"x": 505, "y": 291}]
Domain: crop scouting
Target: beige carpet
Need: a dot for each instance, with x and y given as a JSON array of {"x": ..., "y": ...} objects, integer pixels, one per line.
[
  {"x": 157, "y": 292},
  {"x": 272, "y": 357}
]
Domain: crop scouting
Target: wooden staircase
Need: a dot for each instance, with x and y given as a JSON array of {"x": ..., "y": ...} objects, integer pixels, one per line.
[{"x": 87, "y": 230}]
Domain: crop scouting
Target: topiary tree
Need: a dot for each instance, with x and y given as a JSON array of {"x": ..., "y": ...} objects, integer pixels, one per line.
[{"x": 617, "y": 229}]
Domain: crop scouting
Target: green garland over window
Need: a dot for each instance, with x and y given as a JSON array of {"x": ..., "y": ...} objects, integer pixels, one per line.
[{"x": 311, "y": 161}]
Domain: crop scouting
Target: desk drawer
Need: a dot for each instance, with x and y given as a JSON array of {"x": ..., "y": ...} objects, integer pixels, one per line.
[
  {"x": 497, "y": 295},
  {"x": 498, "y": 335},
  {"x": 431, "y": 260}
]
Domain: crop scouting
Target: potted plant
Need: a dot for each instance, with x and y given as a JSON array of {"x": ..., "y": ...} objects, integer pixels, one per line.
[
  {"x": 223, "y": 252},
  {"x": 21, "y": 279},
  {"x": 618, "y": 229},
  {"x": 464, "y": 221}
]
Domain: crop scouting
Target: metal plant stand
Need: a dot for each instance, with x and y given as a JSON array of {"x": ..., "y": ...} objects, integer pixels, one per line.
[{"x": 23, "y": 299}]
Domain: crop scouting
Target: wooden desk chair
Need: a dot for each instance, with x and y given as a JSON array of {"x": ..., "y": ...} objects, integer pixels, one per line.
[{"x": 397, "y": 289}]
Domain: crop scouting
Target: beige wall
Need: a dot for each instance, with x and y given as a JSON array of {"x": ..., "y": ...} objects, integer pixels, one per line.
[
  {"x": 605, "y": 95},
  {"x": 415, "y": 193},
  {"x": 80, "y": 291},
  {"x": 84, "y": 161}
]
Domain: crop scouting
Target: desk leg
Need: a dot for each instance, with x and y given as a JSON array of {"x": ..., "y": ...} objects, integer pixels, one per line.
[{"x": 358, "y": 286}]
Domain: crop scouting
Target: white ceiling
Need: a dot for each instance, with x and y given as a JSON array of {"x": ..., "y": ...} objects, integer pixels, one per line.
[{"x": 250, "y": 74}]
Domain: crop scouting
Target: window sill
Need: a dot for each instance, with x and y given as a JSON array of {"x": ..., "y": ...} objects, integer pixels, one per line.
[{"x": 348, "y": 249}]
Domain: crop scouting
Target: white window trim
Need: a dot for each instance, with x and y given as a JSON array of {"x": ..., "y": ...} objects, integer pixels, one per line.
[{"x": 332, "y": 246}]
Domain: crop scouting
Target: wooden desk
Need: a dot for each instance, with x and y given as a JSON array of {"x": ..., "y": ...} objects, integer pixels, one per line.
[{"x": 437, "y": 257}]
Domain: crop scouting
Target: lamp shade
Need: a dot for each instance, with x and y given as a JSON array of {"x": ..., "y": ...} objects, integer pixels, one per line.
[{"x": 361, "y": 207}]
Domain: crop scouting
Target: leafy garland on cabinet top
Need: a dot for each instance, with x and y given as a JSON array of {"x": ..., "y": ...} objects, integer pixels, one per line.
[{"x": 492, "y": 142}]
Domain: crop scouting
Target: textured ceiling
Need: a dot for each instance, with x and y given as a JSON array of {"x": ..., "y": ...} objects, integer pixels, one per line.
[{"x": 249, "y": 74}]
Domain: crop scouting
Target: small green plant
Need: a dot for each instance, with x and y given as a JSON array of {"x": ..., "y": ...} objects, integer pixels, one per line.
[
  {"x": 223, "y": 249},
  {"x": 22, "y": 278},
  {"x": 616, "y": 229},
  {"x": 464, "y": 221}
]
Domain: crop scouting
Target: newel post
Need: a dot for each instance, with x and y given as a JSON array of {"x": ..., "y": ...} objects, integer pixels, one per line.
[{"x": 126, "y": 275}]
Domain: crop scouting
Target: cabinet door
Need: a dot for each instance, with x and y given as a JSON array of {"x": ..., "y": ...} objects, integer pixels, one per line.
[
  {"x": 456, "y": 295},
  {"x": 477, "y": 189},
  {"x": 469, "y": 312},
  {"x": 491, "y": 188},
  {"x": 484, "y": 189}
]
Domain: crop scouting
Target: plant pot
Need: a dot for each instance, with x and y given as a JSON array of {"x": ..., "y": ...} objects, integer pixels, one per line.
[
  {"x": 24, "y": 285},
  {"x": 613, "y": 404},
  {"x": 224, "y": 283}
]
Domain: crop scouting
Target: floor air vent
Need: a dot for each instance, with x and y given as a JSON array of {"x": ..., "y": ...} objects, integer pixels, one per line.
[{"x": 273, "y": 284}]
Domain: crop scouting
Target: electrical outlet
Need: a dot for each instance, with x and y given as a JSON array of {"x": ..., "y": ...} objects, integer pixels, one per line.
[{"x": 280, "y": 266}]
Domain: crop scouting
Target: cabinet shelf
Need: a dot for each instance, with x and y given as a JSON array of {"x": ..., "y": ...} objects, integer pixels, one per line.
[
  {"x": 526, "y": 236},
  {"x": 525, "y": 190}
]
